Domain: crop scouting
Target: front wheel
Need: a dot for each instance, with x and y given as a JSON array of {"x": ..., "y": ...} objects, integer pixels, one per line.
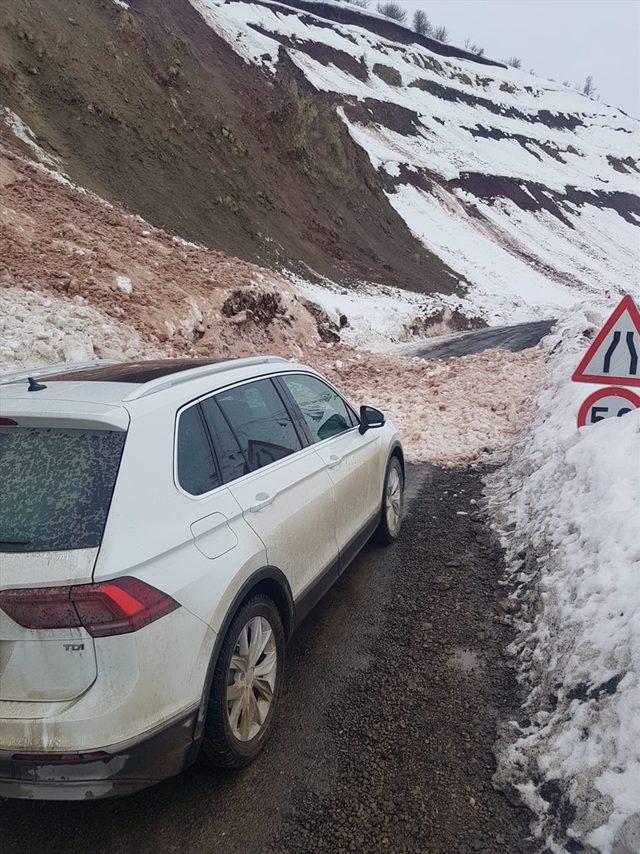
[
  {"x": 392, "y": 502},
  {"x": 246, "y": 685}
]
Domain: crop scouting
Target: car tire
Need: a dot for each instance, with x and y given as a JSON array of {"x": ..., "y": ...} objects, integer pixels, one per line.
[
  {"x": 392, "y": 503},
  {"x": 239, "y": 715}
]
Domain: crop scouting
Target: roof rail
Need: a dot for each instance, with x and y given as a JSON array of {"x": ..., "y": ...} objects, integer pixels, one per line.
[
  {"x": 164, "y": 383},
  {"x": 59, "y": 367}
]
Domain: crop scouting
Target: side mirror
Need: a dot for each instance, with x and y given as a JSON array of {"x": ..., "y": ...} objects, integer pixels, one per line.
[{"x": 370, "y": 417}]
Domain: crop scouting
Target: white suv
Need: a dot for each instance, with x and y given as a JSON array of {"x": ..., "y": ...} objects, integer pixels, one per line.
[{"x": 164, "y": 527}]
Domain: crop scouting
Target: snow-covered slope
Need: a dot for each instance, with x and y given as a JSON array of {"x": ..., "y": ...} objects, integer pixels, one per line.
[
  {"x": 527, "y": 189},
  {"x": 569, "y": 505}
]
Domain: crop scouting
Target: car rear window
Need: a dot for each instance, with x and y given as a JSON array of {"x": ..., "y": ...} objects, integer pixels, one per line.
[
  {"x": 197, "y": 471},
  {"x": 55, "y": 487}
]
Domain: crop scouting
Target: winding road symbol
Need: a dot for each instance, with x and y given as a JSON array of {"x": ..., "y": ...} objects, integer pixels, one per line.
[{"x": 614, "y": 356}]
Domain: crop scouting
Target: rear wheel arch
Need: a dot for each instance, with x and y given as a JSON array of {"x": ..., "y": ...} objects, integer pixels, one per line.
[
  {"x": 267, "y": 581},
  {"x": 276, "y": 587}
]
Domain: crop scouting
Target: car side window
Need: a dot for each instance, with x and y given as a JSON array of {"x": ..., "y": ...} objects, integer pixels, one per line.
[
  {"x": 324, "y": 411},
  {"x": 197, "y": 471},
  {"x": 230, "y": 457},
  {"x": 260, "y": 422}
]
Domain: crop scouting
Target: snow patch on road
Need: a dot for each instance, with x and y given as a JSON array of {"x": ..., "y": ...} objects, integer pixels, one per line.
[
  {"x": 376, "y": 315},
  {"x": 568, "y": 504},
  {"x": 125, "y": 284}
]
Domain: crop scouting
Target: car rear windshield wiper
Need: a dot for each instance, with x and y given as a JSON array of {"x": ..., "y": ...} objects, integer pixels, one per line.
[{"x": 15, "y": 542}]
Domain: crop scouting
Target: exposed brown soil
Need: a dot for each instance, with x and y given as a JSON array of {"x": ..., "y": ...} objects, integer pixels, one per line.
[
  {"x": 385, "y": 27},
  {"x": 181, "y": 299},
  {"x": 565, "y": 121},
  {"x": 489, "y": 188},
  {"x": 59, "y": 240},
  {"x": 393, "y": 116},
  {"x": 151, "y": 109}
]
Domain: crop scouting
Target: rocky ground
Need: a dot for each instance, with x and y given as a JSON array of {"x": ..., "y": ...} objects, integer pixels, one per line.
[
  {"x": 412, "y": 731},
  {"x": 384, "y": 740}
]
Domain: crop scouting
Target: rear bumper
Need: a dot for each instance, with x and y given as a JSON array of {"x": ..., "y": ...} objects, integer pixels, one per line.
[{"x": 120, "y": 772}]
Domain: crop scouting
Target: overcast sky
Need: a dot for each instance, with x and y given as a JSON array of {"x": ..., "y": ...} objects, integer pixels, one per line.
[{"x": 560, "y": 39}]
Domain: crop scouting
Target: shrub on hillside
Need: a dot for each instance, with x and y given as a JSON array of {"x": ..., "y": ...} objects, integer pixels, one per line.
[
  {"x": 441, "y": 33},
  {"x": 421, "y": 24},
  {"x": 393, "y": 10},
  {"x": 472, "y": 47}
]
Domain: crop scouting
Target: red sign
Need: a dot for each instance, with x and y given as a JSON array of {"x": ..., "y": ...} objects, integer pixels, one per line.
[
  {"x": 614, "y": 356},
  {"x": 607, "y": 403}
]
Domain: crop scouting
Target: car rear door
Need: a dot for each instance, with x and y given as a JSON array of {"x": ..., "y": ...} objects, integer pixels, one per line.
[
  {"x": 352, "y": 460},
  {"x": 281, "y": 484},
  {"x": 56, "y": 489}
]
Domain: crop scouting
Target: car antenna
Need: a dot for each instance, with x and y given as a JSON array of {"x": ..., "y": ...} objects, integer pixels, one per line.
[{"x": 35, "y": 386}]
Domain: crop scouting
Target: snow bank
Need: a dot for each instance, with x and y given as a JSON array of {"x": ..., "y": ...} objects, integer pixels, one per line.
[
  {"x": 40, "y": 330},
  {"x": 568, "y": 504}
]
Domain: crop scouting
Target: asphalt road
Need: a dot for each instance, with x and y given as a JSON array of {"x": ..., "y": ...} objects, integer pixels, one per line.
[
  {"x": 396, "y": 683},
  {"x": 514, "y": 338}
]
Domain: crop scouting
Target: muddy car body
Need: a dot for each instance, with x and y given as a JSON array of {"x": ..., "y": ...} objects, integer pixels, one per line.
[{"x": 164, "y": 529}]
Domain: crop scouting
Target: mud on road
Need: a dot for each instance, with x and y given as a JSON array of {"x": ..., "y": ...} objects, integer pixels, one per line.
[{"x": 384, "y": 741}]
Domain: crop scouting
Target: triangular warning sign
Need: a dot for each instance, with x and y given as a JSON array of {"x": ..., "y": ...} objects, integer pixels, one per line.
[{"x": 614, "y": 356}]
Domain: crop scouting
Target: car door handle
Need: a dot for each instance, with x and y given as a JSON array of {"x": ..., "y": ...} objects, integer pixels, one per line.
[
  {"x": 333, "y": 461},
  {"x": 262, "y": 499}
]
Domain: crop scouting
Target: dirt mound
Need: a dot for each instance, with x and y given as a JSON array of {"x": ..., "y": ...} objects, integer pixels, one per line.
[
  {"x": 67, "y": 243},
  {"x": 150, "y": 108}
]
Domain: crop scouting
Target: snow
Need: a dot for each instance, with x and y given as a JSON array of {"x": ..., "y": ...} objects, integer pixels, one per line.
[
  {"x": 376, "y": 316},
  {"x": 121, "y": 3},
  {"x": 519, "y": 263},
  {"x": 39, "y": 330},
  {"x": 125, "y": 284},
  {"x": 450, "y": 412},
  {"x": 505, "y": 283},
  {"x": 26, "y": 135},
  {"x": 568, "y": 506}
]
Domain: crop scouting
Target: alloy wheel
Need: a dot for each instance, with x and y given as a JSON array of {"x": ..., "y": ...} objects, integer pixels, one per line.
[
  {"x": 393, "y": 500},
  {"x": 251, "y": 679}
]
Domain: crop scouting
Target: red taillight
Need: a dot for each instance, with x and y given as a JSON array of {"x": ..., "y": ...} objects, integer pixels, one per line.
[
  {"x": 120, "y": 606},
  {"x": 40, "y": 607},
  {"x": 108, "y": 608},
  {"x": 8, "y": 422}
]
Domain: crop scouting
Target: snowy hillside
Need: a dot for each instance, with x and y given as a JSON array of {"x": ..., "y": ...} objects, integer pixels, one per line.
[{"x": 525, "y": 188}]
